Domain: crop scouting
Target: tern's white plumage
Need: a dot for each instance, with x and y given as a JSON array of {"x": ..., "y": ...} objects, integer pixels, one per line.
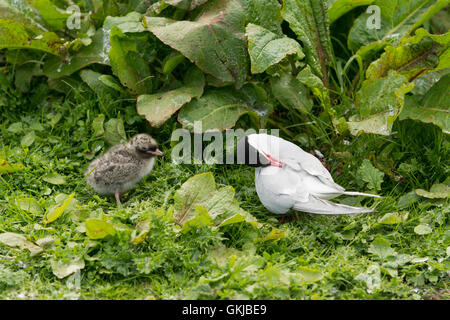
[{"x": 286, "y": 177}]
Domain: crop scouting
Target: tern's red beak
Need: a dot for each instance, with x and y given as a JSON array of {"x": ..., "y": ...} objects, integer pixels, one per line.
[{"x": 273, "y": 161}]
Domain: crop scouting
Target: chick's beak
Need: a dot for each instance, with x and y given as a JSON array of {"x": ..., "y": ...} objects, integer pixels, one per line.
[{"x": 157, "y": 152}]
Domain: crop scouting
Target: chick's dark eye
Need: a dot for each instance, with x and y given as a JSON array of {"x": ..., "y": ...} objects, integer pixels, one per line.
[{"x": 153, "y": 148}]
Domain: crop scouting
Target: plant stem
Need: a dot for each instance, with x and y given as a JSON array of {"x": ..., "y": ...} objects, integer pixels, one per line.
[
  {"x": 289, "y": 133},
  {"x": 293, "y": 66}
]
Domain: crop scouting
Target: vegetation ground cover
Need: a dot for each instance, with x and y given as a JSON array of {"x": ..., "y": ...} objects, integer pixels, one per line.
[{"x": 374, "y": 104}]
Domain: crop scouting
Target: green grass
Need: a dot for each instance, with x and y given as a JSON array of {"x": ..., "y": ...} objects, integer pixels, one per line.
[{"x": 344, "y": 257}]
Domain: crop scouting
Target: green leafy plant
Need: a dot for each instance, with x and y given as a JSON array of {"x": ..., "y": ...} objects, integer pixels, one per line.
[
  {"x": 170, "y": 55},
  {"x": 366, "y": 93}
]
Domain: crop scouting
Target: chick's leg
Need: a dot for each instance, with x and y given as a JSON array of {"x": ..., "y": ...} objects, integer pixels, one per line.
[{"x": 117, "y": 197}]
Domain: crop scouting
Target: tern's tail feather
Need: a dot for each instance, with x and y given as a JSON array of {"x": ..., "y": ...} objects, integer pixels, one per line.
[
  {"x": 354, "y": 193},
  {"x": 320, "y": 206}
]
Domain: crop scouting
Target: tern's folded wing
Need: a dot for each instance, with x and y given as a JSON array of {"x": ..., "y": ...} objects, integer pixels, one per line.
[{"x": 319, "y": 206}]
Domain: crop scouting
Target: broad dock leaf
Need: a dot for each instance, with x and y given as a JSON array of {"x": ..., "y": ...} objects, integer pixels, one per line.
[
  {"x": 14, "y": 36},
  {"x": 340, "y": 7},
  {"x": 264, "y": 13},
  {"x": 379, "y": 103},
  {"x": 158, "y": 108},
  {"x": 219, "y": 109},
  {"x": 214, "y": 41},
  {"x": 309, "y": 20},
  {"x": 267, "y": 48},
  {"x": 96, "y": 52},
  {"x": 291, "y": 93},
  {"x": 433, "y": 107},
  {"x": 398, "y": 18},
  {"x": 414, "y": 56}
]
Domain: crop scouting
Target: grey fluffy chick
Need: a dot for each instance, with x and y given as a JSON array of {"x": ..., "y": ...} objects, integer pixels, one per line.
[{"x": 122, "y": 166}]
